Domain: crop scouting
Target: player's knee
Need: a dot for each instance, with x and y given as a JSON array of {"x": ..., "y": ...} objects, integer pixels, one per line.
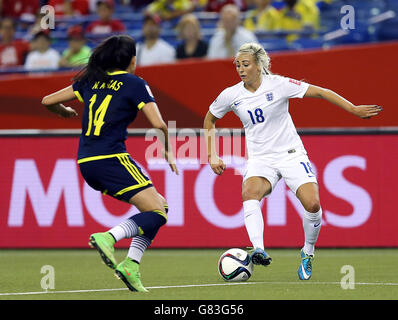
[
  {"x": 153, "y": 222},
  {"x": 312, "y": 206},
  {"x": 251, "y": 194},
  {"x": 164, "y": 203},
  {"x": 161, "y": 218}
]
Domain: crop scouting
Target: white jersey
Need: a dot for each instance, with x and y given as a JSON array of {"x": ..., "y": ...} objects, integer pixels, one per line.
[
  {"x": 269, "y": 128},
  {"x": 161, "y": 52},
  {"x": 36, "y": 60}
]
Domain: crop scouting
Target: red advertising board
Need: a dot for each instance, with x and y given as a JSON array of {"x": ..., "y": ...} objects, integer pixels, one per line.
[
  {"x": 46, "y": 203},
  {"x": 185, "y": 90}
]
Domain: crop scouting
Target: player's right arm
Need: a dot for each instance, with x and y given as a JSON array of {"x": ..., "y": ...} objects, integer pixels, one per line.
[
  {"x": 54, "y": 102},
  {"x": 153, "y": 115},
  {"x": 217, "y": 110},
  {"x": 209, "y": 126}
]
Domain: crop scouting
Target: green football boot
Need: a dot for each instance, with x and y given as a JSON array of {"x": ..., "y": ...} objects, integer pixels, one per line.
[
  {"x": 127, "y": 271},
  {"x": 104, "y": 242}
]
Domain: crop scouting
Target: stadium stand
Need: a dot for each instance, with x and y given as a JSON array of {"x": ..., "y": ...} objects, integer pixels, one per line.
[{"x": 375, "y": 21}]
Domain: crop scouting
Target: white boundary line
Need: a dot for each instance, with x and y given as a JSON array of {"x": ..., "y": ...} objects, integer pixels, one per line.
[{"x": 198, "y": 285}]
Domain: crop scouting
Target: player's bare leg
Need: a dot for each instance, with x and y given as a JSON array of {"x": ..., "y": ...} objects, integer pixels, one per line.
[
  {"x": 164, "y": 203},
  {"x": 253, "y": 190},
  {"x": 148, "y": 200},
  {"x": 308, "y": 194}
]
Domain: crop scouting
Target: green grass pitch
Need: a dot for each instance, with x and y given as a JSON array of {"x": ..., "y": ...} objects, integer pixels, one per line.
[{"x": 174, "y": 274}]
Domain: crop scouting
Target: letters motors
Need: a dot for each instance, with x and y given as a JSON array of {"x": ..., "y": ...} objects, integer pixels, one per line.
[{"x": 45, "y": 202}]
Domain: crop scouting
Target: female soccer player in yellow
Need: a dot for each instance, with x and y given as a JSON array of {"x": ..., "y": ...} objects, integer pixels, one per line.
[{"x": 112, "y": 96}]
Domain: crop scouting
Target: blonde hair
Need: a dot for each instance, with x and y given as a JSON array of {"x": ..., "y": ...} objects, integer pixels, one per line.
[
  {"x": 189, "y": 19},
  {"x": 259, "y": 54}
]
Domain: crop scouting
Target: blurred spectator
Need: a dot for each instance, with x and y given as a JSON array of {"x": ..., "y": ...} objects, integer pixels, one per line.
[
  {"x": 153, "y": 50},
  {"x": 70, "y": 7},
  {"x": 217, "y": 5},
  {"x": 81, "y": 7},
  {"x": 192, "y": 45},
  {"x": 93, "y": 5},
  {"x": 137, "y": 4},
  {"x": 12, "y": 52},
  {"x": 299, "y": 15},
  {"x": 36, "y": 26},
  {"x": 250, "y": 4},
  {"x": 77, "y": 53},
  {"x": 43, "y": 57},
  {"x": 17, "y": 8},
  {"x": 263, "y": 17},
  {"x": 105, "y": 24},
  {"x": 170, "y": 9},
  {"x": 230, "y": 36}
]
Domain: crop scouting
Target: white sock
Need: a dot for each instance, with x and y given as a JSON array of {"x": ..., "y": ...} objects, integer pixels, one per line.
[
  {"x": 126, "y": 229},
  {"x": 138, "y": 247},
  {"x": 254, "y": 222},
  {"x": 312, "y": 225}
]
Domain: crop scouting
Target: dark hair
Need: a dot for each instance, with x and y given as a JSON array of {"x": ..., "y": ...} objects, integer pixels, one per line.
[
  {"x": 153, "y": 18},
  {"x": 114, "y": 53},
  {"x": 109, "y": 3},
  {"x": 42, "y": 34}
]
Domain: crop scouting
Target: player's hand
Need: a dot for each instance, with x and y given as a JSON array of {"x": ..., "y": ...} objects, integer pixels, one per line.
[
  {"x": 217, "y": 165},
  {"x": 172, "y": 163},
  {"x": 174, "y": 168},
  {"x": 68, "y": 112},
  {"x": 367, "y": 111}
]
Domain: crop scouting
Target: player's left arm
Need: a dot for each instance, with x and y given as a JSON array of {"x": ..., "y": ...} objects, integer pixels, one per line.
[
  {"x": 54, "y": 102},
  {"x": 362, "y": 111},
  {"x": 154, "y": 116}
]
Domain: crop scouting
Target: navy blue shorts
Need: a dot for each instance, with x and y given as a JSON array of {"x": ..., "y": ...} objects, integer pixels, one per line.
[{"x": 115, "y": 175}]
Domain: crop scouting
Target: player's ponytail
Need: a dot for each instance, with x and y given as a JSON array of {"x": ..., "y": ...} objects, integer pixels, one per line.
[
  {"x": 114, "y": 53},
  {"x": 259, "y": 54}
]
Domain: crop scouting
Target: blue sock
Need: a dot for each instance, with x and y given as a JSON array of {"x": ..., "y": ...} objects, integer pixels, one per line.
[{"x": 149, "y": 222}]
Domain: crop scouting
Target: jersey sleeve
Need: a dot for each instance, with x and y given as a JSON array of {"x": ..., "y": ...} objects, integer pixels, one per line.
[
  {"x": 294, "y": 88},
  {"x": 221, "y": 105},
  {"x": 142, "y": 94},
  {"x": 77, "y": 89}
]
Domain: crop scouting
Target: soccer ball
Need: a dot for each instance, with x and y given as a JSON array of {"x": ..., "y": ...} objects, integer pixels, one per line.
[{"x": 235, "y": 265}]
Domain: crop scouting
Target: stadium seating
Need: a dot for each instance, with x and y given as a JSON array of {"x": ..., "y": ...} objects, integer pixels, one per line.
[
  {"x": 375, "y": 20},
  {"x": 275, "y": 45},
  {"x": 307, "y": 43}
]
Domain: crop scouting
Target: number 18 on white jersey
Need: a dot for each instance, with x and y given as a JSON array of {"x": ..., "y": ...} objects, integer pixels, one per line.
[{"x": 269, "y": 129}]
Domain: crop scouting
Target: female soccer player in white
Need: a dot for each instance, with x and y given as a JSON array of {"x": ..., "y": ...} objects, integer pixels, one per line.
[{"x": 275, "y": 150}]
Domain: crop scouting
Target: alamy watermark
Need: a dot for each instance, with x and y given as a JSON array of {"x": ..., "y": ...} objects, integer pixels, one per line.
[
  {"x": 48, "y": 17},
  {"x": 189, "y": 145},
  {"x": 347, "y": 22},
  {"x": 48, "y": 280},
  {"x": 348, "y": 280}
]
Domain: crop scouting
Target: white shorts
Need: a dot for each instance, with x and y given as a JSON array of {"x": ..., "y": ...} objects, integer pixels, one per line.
[{"x": 295, "y": 168}]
